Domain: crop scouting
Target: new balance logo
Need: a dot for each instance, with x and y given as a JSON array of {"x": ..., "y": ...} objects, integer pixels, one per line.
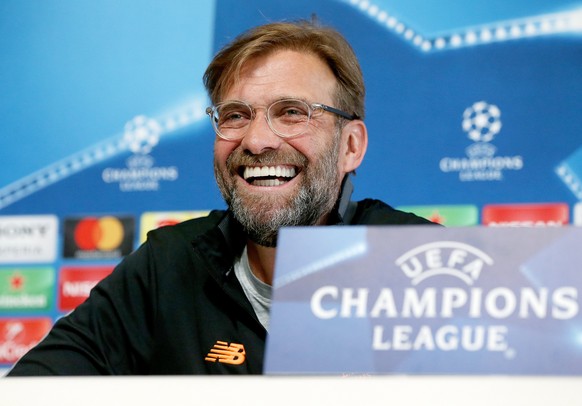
[{"x": 224, "y": 353}]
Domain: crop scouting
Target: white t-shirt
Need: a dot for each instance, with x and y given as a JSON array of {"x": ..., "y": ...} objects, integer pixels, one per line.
[{"x": 257, "y": 291}]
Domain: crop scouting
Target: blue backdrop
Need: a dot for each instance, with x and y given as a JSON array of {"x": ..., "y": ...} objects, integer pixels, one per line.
[{"x": 469, "y": 104}]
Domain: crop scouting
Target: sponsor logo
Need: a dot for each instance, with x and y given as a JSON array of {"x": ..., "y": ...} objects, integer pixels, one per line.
[
  {"x": 225, "y": 353},
  {"x": 17, "y": 336},
  {"x": 516, "y": 215},
  {"x": 30, "y": 239},
  {"x": 451, "y": 216},
  {"x": 482, "y": 123},
  {"x": 98, "y": 237},
  {"x": 141, "y": 135},
  {"x": 457, "y": 317},
  {"x": 153, "y": 220},
  {"x": 75, "y": 283},
  {"x": 26, "y": 288}
]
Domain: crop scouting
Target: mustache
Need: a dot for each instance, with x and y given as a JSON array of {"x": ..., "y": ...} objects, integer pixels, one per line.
[{"x": 240, "y": 158}]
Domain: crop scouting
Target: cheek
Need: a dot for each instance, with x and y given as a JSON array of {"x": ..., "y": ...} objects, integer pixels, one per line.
[
  {"x": 222, "y": 150},
  {"x": 310, "y": 147}
]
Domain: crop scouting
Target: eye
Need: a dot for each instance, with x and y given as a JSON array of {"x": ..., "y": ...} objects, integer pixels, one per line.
[
  {"x": 293, "y": 110},
  {"x": 234, "y": 115},
  {"x": 231, "y": 115}
]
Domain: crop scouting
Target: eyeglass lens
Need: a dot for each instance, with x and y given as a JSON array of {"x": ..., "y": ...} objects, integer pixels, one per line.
[{"x": 287, "y": 118}]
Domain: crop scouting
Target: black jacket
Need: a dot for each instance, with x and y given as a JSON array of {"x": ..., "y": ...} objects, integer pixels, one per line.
[{"x": 170, "y": 302}]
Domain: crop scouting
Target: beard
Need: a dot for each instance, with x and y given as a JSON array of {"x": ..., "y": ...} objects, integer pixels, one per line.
[{"x": 262, "y": 215}]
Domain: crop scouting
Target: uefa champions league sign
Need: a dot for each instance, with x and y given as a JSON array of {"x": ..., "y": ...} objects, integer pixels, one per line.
[
  {"x": 427, "y": 300},
  {"x": 482, "y": 123}
]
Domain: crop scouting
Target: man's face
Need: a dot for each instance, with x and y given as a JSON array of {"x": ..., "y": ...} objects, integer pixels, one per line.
[{"x": 307, "y": 175}]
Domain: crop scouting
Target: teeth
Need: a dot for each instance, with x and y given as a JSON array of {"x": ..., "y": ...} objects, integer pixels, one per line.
[
  {"x": 278, "y": 171},
  {"x": 268, "y": 182}
]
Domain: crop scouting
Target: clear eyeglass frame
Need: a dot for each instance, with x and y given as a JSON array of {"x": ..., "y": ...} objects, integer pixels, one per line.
[{"x": 286, "y": 117}]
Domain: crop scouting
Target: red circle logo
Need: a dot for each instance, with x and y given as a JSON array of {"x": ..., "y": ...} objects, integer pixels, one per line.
[{"x": 104, "y": 234}]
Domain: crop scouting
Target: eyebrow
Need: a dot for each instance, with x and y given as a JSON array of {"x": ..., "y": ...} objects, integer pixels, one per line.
[{"x": 270, "y": 101}]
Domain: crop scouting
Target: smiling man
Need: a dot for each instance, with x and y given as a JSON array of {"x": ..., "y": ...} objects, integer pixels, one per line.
[
  {"x": 279, "y": 157},
  {"x": 288, "y": 110}
]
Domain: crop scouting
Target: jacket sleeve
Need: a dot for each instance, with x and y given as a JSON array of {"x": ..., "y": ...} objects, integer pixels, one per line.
[{"x": 109, "y": 334}]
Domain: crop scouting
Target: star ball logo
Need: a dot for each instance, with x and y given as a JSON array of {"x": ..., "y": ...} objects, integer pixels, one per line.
[
  {"x": 482, "y": 123},
  {"x": 141, "y": 135},
  {"x": 98, "y": 237}
]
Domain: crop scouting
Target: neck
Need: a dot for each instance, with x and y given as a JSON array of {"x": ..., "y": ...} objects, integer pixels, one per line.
[{"x": 262, "y": 261}]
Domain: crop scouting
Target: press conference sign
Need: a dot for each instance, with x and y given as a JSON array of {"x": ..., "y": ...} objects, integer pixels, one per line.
[{"x": 427, "y": 300}]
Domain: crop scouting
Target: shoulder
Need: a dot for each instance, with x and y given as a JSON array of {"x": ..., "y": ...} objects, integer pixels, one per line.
[
  {"x": 376, "y": 212},
  {"x": 169, "y": 246}
]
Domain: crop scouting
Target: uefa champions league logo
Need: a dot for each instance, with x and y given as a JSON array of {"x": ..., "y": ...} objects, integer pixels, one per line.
[
  {"x": 141, "y": 135},
  {"x": 482, "y": 121}
]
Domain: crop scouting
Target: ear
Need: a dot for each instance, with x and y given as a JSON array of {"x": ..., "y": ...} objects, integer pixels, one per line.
[{"x": 354, "y": 143}]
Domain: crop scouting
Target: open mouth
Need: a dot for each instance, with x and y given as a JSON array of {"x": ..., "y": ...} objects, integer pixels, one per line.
[{"x": 268, "y": 175}]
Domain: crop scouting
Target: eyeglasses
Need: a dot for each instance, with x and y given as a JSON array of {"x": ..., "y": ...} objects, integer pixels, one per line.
[{"x": 286, "y": 118}]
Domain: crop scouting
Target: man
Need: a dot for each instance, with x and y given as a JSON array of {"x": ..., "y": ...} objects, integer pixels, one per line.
[{"x": 288, "y": 105}]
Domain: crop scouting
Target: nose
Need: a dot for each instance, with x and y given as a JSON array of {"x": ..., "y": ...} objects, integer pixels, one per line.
[{"x": 259, "y": 137}]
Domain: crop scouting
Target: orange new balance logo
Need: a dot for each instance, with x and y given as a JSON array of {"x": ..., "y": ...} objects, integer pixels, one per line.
[{"x": 224, "y": 353}]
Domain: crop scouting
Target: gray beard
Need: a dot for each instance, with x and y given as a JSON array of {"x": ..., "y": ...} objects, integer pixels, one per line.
[{"x": 262, "y": 219}]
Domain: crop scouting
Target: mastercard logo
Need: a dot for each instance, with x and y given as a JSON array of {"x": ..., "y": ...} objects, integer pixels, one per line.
[
  {"x": 104, "y": 234},
  {"x": 98, "y": 237}
]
